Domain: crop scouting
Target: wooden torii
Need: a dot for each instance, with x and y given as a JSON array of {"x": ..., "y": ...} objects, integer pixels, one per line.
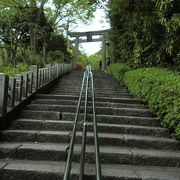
[{"x": 89, "y": 38}]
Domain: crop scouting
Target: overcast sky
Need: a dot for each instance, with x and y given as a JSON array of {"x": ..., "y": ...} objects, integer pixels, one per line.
[{"x": 98, "y": 23}]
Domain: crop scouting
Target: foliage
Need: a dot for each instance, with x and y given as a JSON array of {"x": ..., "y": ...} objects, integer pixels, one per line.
[
  {"x": 161, "y": 89},
  {"x": 118, "y": 70},
  {"x": 10, "y": 71},
  {"x": 32, "y": 25},
  {"x": 68, "y": 13},
  {"x": 55, "y": 56},
  {"x": 92, "y": 60},
  {"x": 145, "y": 33}
]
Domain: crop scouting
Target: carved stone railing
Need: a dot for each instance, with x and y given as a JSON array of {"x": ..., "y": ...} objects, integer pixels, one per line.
[{"x": 16, "y": 89}]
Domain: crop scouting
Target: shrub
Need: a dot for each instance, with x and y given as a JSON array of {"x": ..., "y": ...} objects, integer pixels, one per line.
[
  {"x": 10, "y": 71},
  {"x": 161, "y": 89},
  {"x": 118, "y": 70}
]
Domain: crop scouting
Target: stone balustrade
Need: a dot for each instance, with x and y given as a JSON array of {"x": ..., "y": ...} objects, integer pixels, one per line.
[{"x": 13, "y": 90}]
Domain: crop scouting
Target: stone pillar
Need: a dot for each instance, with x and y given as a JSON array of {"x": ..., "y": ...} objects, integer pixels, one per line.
[
  {"x": 19, "y": 87},
  {"x": 57, "y": 69},
  {"x": 12, "y": 91},
  {"x": 48, "y": 66},
  {"x": 30, "y": 82},
  {"x": 25, "y": 83},
  {"x": 103, "y": 52},
  {"x": 34, "y": 70},
  {"x": 4, "y": 81}
]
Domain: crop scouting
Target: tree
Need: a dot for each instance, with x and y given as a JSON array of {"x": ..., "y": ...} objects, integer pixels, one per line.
[
  {"x": 146, "y": 32},
  {"x": 32, "y": 24},
  {"x": 67, "y": 13}
]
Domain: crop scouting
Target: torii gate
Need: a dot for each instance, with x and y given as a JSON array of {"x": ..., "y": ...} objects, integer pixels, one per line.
[{"x": 89, "y": 38}]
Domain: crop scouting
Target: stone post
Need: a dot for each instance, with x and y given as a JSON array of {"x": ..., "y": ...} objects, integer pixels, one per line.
[
  {"x": 30, "y": 82},
  {"x": 57, "y": 67},
  {"x": 4, "y": 81},
  {"x": 19, "y": 86},
  {"x": 12, "y": 90},
  {"x": 48, "y": 66},
  {"x": 25, "y": 84},
  {"x": 34, "y": 70}
]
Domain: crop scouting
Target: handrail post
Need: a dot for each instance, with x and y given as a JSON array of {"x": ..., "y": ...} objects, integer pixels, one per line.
[
  {"x": 3, "y": 94},
  {"x": 34, "y": 69}
]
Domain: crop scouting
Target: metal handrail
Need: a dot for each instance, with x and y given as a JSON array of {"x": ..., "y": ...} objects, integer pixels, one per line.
[
  {"x": 84, "y": 131},
  {"x": 96, "y": 142},
  {"x": 71, "y": 146},
  {"x": 87, "y": 75}
]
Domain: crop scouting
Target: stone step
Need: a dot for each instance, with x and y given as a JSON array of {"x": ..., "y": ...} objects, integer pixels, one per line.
[
  {"x": 34, "y": 151},
  {"x": 131, "y": 156},
  {"x": 54, "y": 170},
  {"x": 109, "y": 155},
  {"x": 99, "y": 110},
  {"x": 115, "y": 119},
  {"x": 35, "y": 136},
  {"x": 90, "y": 97},
  {"x": 127, "y": 140},
  {"x": 79, "y": 83},
  {"x": 105, "y": 89},
  {"x": 99, "y": 87},
  {"x": 97, "y": 84},
  {"x": 70, "y": 90},
  {"x": 33, "y": 170},
  {"x": 54, "y": 125},
  {"x": 99, "y": 99},
  {"x": 122, "y": 95},
  {"x": 75, "y": 102},
  {"x": 51, "y": 115}
]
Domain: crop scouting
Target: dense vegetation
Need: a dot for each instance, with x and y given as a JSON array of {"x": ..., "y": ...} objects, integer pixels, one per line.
[
  {"x": 159, "y": 87},
  {"x": 32, "y": 31},
  {"x": 10, "y": 71},
  {"x": 145, "y": 33},
  {"x": 92, "y": 60}
]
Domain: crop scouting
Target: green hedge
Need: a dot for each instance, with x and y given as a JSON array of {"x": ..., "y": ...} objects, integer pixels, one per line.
[
  {"x": 118, "y": 70},
  {"x": 160, "y": 88}
]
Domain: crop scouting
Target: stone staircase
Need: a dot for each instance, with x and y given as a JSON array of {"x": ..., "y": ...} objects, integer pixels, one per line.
[{"x": 132, "y": 143}]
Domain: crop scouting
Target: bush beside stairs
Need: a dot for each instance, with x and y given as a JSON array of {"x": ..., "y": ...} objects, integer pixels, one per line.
[{"x": 132, "y": 143}]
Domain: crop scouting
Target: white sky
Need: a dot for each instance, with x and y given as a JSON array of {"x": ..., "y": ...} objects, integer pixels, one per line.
[{"x": 98, "y": 23}]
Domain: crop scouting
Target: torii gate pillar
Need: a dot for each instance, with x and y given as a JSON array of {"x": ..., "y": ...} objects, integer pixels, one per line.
[
  {"x": 103, "y": 52},
  {"x": 76, "y": 51}
]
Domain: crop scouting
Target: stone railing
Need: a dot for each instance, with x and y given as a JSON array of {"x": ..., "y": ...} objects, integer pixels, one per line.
[{"x": 16, "y": 89}]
